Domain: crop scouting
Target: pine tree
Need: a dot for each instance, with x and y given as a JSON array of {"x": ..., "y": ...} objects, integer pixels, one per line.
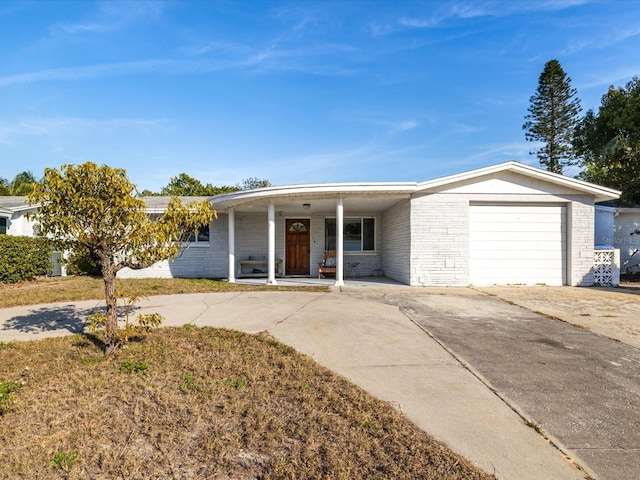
[{"x": 553, "y": 115}]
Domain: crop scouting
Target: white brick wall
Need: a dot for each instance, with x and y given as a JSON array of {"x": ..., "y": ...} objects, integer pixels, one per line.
[
  {"x": 396, "y": 238},
  {"x": 317, "y": 242},
  {"x": 580, "y": 232},
  {"x": 439, "y": 239},
  {"x": 252, "y": 235}
]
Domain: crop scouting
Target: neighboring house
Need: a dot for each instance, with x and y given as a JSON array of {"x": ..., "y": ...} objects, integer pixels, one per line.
[
  {"x": 14, "y": 221},
  {"x": 12, "y": 216},
  {"x": 504, "y": 224},
  {"x": 619, "y": 228}
]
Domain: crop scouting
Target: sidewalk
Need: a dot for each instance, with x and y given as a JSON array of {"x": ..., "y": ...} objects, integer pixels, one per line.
[{"x": 374, "y": 345}]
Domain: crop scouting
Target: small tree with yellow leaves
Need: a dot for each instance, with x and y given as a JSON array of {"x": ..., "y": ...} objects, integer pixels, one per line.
[{"x": 92, "y": 210}]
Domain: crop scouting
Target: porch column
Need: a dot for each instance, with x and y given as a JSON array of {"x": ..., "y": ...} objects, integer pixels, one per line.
[
  {"x": 271, "y": 268},
  {"x": 232, "y": 244},
  {"x": 339, "y": 243}
]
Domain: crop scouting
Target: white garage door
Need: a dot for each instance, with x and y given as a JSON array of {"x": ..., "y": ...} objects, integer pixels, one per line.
[{"x": 517, "y": 244}]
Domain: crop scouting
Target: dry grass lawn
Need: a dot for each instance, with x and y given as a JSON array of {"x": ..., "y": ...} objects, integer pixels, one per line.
[
  {"x": 69, "y": 289},
  {"x": 200, "y": 403}
]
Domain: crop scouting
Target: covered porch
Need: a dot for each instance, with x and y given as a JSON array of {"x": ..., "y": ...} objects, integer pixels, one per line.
[{"x": 280, "y": 234}]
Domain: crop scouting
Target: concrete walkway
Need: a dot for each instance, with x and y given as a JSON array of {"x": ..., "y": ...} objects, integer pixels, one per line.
[{"x": 373, "y": 344}]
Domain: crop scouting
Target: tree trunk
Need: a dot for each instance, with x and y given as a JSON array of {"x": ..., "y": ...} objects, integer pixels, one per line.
[{"x": 109, "y": 276}]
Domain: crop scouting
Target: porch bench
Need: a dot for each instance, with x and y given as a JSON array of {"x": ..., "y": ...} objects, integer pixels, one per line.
[
  {"x": 328, "y": 264},
  {"x": 252, "y": 265}
]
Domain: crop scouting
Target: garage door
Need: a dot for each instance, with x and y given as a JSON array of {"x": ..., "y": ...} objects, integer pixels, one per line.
[{"x": 517, "y": 244}]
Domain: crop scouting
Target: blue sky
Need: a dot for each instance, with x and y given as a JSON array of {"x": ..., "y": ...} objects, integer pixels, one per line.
[{"x": 295, "y": 92}]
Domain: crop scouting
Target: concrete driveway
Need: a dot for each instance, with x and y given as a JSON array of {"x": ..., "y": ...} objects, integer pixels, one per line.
[{"x": 579, "y": 387}]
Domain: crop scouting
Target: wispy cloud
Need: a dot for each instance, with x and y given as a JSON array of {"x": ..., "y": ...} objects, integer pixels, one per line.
[
  {"x": 390, "y": 126},
  {"x": 458, "y": 127},
  {"x": 617, "y": 78},
  {"x": 112, "y": 16},
  {"x": 477, "y": 9},
  {"x": 262, "y": 61},
  {"x": 77, "y": 73},
  {"x": 599, "y": 41},
  {"x": 406, "y": 125},
  {"x": 274, "y": 56},
  {"x": 116, "y": 69},
  {"x": 215, "y": 47},
  {"x": 453, "y": 10},
  {"x": 518, "y": 151},
  {"x": 48, "y": 126},
  {"x": 368, "y": 161}
]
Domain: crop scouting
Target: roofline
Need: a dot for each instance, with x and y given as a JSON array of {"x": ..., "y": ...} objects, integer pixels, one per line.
[
  {"x": 234, "y": 198},
  {"x": 606, "y": 208},
  {"x": 18, "y": 208},
  {"x": 242, "y": 196},
  {"x": 601, "y": 193},
  {"x": 25, "y": 207}
]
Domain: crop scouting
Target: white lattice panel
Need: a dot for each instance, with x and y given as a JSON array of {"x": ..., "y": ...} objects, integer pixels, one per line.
[{"x": 603, "y": 268}]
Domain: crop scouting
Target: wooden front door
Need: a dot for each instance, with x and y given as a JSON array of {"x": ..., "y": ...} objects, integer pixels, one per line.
[{"x": 298, "y": 246}]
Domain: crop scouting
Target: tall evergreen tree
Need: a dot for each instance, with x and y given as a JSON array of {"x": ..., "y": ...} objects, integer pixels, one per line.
[{"x": 553, "y": 115}]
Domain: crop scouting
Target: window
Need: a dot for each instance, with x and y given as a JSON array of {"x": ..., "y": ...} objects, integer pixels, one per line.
[
  {"x": 359, "y": 234},
  {"x": 3, "y": 225},
  {"x": 298, "y": 227},
  {"x": 201, "y": 236}
]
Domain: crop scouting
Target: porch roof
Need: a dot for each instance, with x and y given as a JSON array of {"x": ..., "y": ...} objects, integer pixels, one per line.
[{"x": 317, "y": 198}]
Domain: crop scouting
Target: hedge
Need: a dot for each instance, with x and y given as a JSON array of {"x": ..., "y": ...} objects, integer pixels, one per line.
[{"x": 24, "y": 258}]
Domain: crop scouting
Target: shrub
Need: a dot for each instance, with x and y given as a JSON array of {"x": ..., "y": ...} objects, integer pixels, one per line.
[
  {"x": 79, "y": 264},
  {"x": 24, "y": 258}
]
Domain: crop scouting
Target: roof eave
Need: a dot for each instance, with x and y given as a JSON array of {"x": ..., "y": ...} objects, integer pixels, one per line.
[
  {"x": 227, "y": 200},
  {"x": 600, "y": 193}
]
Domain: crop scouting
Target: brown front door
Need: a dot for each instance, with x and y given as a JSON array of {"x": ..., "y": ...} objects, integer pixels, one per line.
[{"x": 298, "y": 245}]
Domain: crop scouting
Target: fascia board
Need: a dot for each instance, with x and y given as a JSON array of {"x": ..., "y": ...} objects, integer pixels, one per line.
[
  {"x": 600, "y": 193},
  {"x": 25, "y": 208},
  {"x": 236, "y": 198}
]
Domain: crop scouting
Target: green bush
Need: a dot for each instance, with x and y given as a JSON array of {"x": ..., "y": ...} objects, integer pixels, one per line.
[
  {"x": 79, "y": 264},
  {"x": 24, "y": 258}
]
